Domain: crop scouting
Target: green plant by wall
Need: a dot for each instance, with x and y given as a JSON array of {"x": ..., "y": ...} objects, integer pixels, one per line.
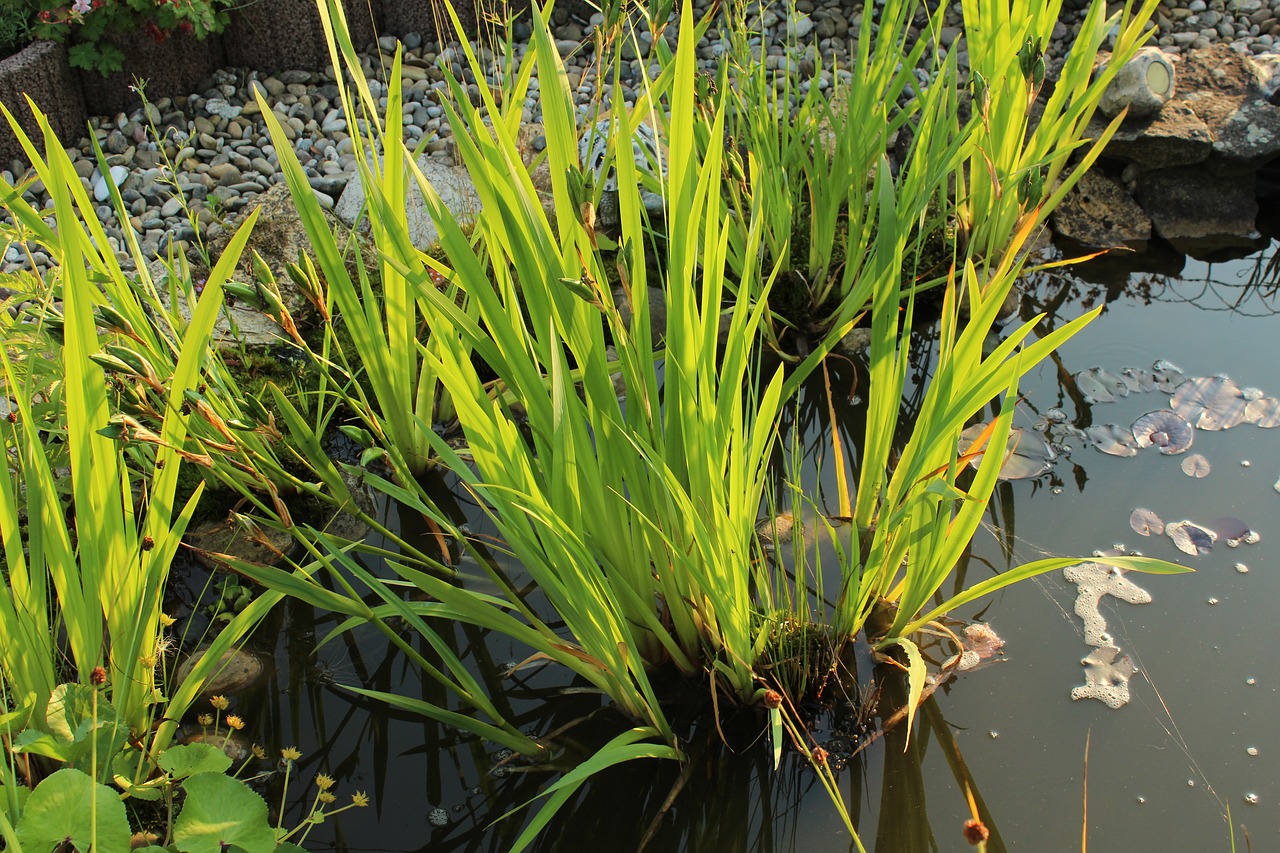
[{"x": 87, "y": 26}]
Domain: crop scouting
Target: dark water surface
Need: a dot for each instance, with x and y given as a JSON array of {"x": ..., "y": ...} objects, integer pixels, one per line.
[{"x": 1162, "y": 771}]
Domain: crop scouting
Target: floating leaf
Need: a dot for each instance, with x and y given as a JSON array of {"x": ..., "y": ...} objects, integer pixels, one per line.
[
  {"x": 1167, "y": 375},
  {"x": 1163, "y": 429},
  {"x": 1100, "y": 386},
  {"x": 1028, "y": 454},
  {"x": 1265, "y": 412},
  {"x": 1146, "y": 522},
  {"x": 1210, "y": 402},
  {"x": 1138, "y": 380},
  {"x": 1112, "y": 439},
  {"x": 1106, "y": 676},
  {"x": 1191, "y": 538},
  {"x": 1196, "y": 466}
]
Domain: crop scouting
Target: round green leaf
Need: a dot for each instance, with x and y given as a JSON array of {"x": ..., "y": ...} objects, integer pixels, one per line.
[
  {"x": 61, "y": 808},
  {"x": 189, "y": 759},
  {"x": 221, "y": 811}
]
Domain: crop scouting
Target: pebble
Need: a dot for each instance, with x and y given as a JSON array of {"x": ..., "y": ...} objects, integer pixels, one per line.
[{"x": 215, "y": 140}]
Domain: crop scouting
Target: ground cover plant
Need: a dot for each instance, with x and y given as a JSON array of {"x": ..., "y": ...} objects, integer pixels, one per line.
[{"x": 626, "y": 481}]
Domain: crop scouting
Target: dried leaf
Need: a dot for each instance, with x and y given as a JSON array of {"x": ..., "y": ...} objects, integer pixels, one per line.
[
  {"x": 1210, "y": 402},
  {"x": 1146, "y": 522},
  {"x": 1191, "y": 538},
  {"x": 1196, "y": 466},
  {"x": 1112, "y": 439},
  {"x": 1164, "y": 429},
  {"x": 1264, "y": 412}
]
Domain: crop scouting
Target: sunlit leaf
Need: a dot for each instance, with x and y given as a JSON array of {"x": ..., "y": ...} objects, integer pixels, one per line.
[
  {"x": 1146, "y": 522},
  {"x": 219, "y": 812},
  {"x": 1164, "y": 429},
  {"x": 1196, "y": 466},
  {"x": 1191, "y": 538},
  {"x": 1210, "y": 402},
  {"x": 62, "y": 808},
  {"x": 1112, "y": 439},
  {"x": 1264, "y": 412}
]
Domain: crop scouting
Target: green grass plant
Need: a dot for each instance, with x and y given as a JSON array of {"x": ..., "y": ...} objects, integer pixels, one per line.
[
  {"x": 625, "y": 483},
  {"x": 91, "y": 566}
]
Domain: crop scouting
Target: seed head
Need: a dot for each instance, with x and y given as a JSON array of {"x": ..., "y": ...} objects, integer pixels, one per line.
[
  {"x": 975, "y": 832},
  {"x": 772, "y": 699},
  {"x": 98, "y": 676},
  {"x": 819, "y": 756}
]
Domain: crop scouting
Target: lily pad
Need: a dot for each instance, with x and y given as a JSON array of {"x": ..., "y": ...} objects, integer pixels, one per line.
[
  {"x": 1164, "y": 429},
  {"x": 1210, "y": 402},
  {"x": 1028, "y": 454},
  {"x": 1196, "y": 466},
  {"x": 1167, "y": 375},
  {"x": 1138, "y": 380},
  {"x": 1106, "y": 676},
  {"x": 1264, "y": 412},
  {"x": 1101, "y": 386},
  {"x": 1112, "y": 439},
  {"x": 1191, "y": 538},
  {"x": 1146, "y": 522}
]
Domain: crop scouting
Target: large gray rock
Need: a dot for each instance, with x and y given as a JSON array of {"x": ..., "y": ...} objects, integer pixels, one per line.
[
  {"x": 1144, "y": 85},
  {"x": 1173, "y": 137},
  {"x": 1099, "y": 214},
  {"x": 1221, "y": 86},
  {"x": 1199, "y": 212},
  {"x": 452, "y": 183}
]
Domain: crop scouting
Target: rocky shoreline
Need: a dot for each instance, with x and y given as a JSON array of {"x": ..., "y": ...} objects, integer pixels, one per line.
[{"x": 187, "y": 165}]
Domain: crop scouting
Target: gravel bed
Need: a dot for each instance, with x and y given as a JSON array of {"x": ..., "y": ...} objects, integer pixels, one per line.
[{"x": 186, "y": 165}]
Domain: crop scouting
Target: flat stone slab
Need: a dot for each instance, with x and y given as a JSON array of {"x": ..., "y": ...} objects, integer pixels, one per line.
[
  {"x": 1173, "y": 137},
  {"x": 1099, "y": 214},
  {"x": 1197, "y": 211}
]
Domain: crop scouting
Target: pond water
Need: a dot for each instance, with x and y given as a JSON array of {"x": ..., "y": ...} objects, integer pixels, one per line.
[{"x": 1199, "y": 736}]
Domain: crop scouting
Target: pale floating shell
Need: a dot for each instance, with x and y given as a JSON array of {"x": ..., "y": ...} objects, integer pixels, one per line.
[
  {"x": 1112, "y": 439},
  {"x": 1210, "y": 402},
  {"x": 1190, "y": 538},
  {"x": 1196, "y": 466},
  {"x": 1146, "y": 523},
  {"x": 1264, "y": 412},
  {"x": 1164, "y": 429}
]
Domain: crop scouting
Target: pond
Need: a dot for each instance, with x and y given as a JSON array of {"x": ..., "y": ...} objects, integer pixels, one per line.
[{"x": 1197, "y": 738}]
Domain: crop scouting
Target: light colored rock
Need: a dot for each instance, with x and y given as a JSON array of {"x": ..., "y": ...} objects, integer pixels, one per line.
[
  {"x": 1144, "y": 85},
  {"x": 451, "y": 183}
]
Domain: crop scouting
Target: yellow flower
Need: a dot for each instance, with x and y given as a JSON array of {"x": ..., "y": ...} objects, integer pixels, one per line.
[
  {"x": 219, "y": 702},
  {"x": 324, "y": 782},
  {"x": 205, "y": 719},
  {"x": 326, "y": 798},
  {"x": 234, "y": 722},
  {"x": 290, "y": 753},
  {"x": 166, "y": 620},
  {"x": 360, "y": 798},
  {"x": 258, "y": 752}
]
